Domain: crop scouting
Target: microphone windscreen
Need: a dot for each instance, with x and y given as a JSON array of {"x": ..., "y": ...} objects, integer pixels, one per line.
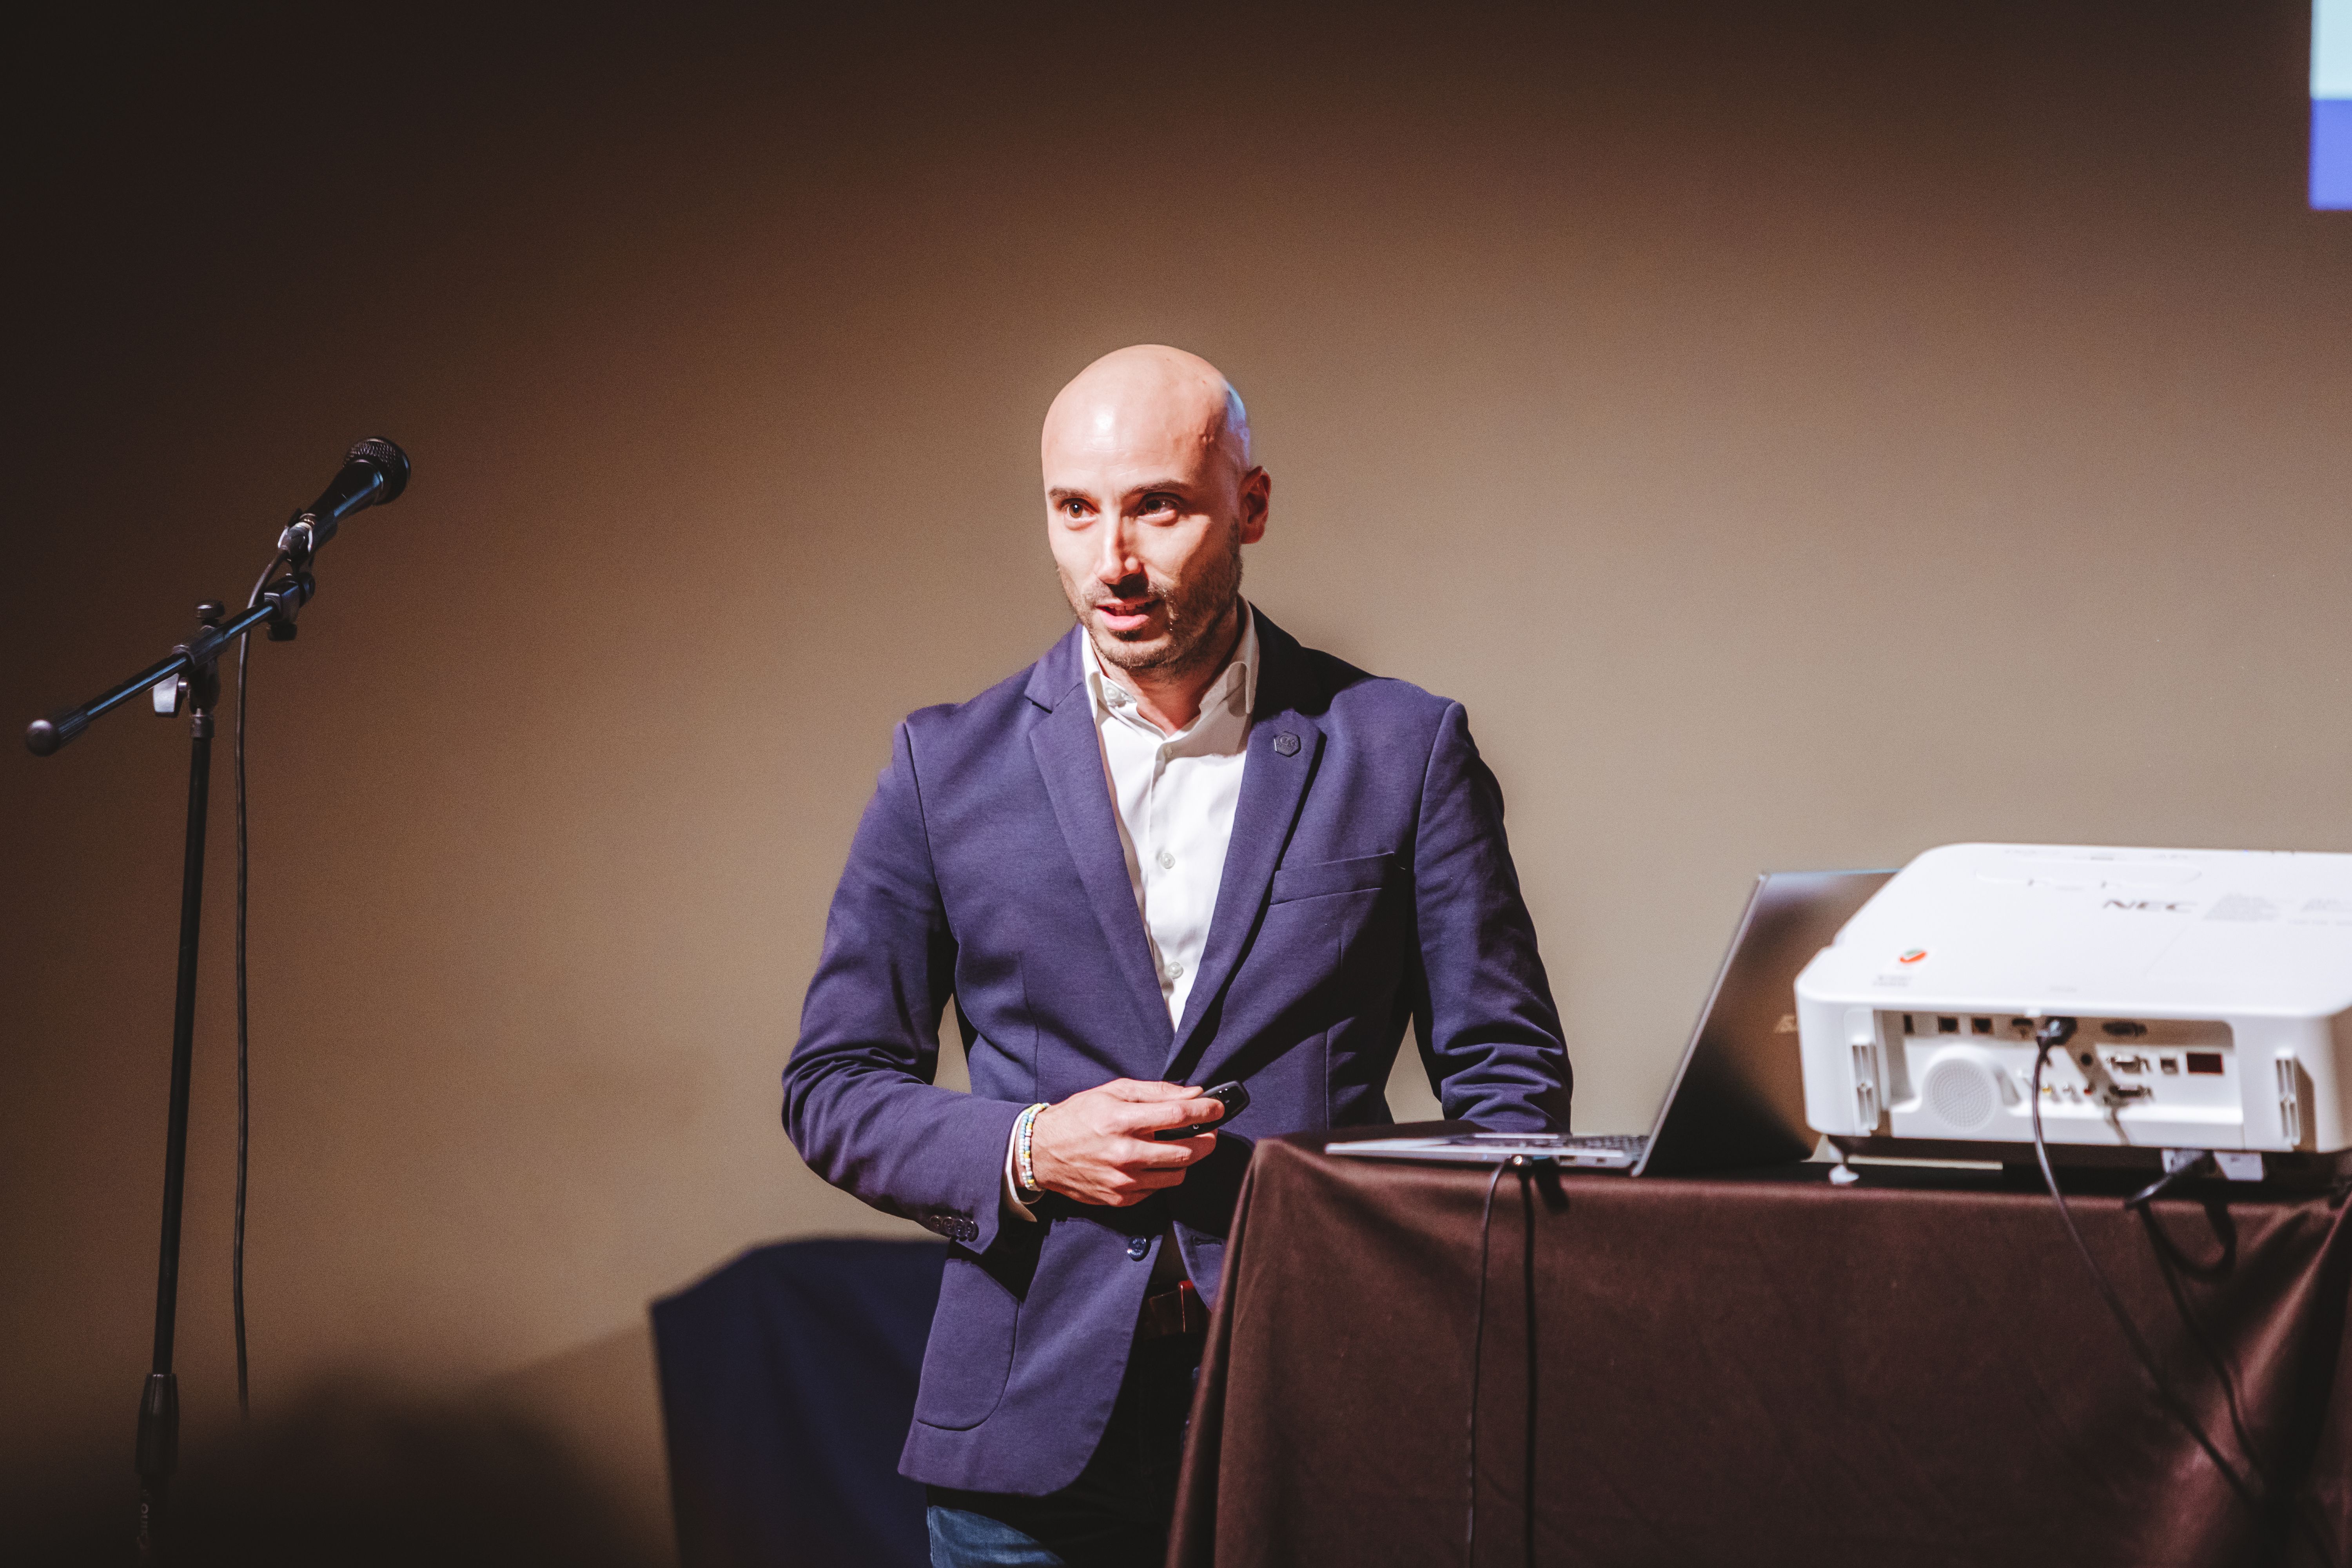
[{"x": 390, "y": 459}]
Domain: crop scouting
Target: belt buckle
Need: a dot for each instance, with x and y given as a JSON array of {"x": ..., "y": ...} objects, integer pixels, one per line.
[{"x": 1173, "y": 1312}]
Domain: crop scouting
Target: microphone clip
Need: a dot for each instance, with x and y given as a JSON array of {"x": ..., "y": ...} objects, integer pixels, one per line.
[
  {"x": 301, "y": 540},
  {"x": 285, "y": 598}
]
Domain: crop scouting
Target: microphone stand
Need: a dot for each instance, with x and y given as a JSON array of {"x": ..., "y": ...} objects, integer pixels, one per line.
[{"x": 193, "y": 668}]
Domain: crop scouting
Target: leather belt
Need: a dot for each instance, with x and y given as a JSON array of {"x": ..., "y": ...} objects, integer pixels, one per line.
[{"x": 1173, "y": 1312}]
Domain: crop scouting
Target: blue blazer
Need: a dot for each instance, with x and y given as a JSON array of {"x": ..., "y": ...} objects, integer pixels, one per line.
[{"x": 1367, "y": 882}]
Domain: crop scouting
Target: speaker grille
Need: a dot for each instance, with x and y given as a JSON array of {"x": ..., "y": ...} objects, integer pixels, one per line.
[{"x": 1961, "y": 1093}]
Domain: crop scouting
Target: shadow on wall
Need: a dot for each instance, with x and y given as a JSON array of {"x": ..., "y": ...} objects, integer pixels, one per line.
[
  {"x": 787, "y": 1379},
  {"x": 369, "y": 1479}
]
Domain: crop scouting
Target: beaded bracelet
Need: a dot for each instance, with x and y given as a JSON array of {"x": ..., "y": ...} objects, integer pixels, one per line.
[{"x": 1023, "y": 1170}]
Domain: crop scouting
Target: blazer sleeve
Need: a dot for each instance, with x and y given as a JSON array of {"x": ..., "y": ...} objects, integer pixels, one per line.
[
  {"x": 860, "y": 1102},
  {"x": 1482, "y": 1005}
]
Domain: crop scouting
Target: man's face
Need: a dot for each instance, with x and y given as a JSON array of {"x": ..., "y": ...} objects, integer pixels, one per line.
[{"x": 1146, "y": 519}]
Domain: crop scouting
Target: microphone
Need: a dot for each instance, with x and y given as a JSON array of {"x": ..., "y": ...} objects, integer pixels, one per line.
[{"x": 374, "y": 473}]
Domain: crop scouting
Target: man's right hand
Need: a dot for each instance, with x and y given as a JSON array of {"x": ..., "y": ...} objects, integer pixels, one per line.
[{"x": 1097, "y": 1147}]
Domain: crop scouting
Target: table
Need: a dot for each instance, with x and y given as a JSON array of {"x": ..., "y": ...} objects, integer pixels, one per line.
[{"x": 1912, "y": 1370}]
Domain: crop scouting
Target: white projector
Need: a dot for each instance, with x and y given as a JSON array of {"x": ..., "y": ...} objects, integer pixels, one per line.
[{"x": 2210, "y": 990}]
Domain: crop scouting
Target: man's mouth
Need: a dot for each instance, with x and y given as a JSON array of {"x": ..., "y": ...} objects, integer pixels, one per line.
[{"x": 1120, "y": 615}]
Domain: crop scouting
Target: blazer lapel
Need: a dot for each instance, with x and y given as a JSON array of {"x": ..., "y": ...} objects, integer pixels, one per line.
[
  {"x": 1069, "y": 756},
  {"x": 1285, "y": 745}
]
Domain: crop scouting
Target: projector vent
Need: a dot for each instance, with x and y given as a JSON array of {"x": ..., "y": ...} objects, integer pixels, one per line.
[
  {"x": 1961, "y": 1093},
  {"x": 2289, "y": 1096},
  {"x": 1866, "y": 1085}
]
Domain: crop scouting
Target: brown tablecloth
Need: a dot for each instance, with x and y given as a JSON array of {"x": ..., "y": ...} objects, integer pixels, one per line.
[{"x": 1910, "y": 1371}]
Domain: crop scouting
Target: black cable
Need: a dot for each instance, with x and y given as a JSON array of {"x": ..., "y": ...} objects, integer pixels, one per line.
[
  {"x": 2170, "y": 1180},
  {"x": 2169, "y": 1263},
  {"x": 2053, "y": 1033},
  {"x": 244, "y": 1122},
  {"x": 1528, "y": 1285},
  {"x": 1478, "y": 1343}
]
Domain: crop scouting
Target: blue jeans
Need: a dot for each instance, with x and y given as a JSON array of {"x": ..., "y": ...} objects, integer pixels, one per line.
[{"x": 1117, "y": 1513}]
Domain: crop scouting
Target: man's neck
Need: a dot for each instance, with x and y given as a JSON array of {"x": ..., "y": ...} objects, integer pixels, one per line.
[{"x": 1171, "y": 699}]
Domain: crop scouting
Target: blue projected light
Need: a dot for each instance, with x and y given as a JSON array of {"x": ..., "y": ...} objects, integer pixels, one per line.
[{"x": 2331, "y": 105}]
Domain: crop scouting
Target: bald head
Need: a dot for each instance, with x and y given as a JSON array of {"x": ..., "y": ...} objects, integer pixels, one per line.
[
  {"x": 1150, "y": 496},
  {"x": 1149, "y": 397}
]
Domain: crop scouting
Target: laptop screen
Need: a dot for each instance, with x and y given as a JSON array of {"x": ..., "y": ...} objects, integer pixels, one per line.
[{"x": 1739, "y": 1099}]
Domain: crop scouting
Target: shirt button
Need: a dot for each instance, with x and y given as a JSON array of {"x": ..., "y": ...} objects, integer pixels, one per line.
[
  {"x": 1137, "y": 1247},
  {"x": 1175, "y": 971},
  {"x": 1167, "y": 861}
]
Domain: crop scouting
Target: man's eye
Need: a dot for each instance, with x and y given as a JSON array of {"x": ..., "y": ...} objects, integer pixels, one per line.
[{"x": 1158, "y": 504}]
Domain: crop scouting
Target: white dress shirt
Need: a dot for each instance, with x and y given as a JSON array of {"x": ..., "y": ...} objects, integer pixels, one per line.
[{"x": 1174, "y": 796}]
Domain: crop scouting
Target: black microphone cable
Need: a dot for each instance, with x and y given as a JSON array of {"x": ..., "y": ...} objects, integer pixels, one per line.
[
  {"x": 2053, "y": 1033},
  {"x": 374, "y": 473},
  {"x": 244, "y": 1116}
]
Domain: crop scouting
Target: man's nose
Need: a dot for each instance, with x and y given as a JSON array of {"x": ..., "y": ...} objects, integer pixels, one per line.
[{"x": 1114, "y": 561}]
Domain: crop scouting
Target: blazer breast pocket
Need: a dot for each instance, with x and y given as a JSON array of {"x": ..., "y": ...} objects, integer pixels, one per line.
[{"x": 1328, "y": 879}]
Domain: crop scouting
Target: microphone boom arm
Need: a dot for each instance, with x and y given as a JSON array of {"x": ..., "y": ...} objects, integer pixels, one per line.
[{"x": 279, "y": 604}]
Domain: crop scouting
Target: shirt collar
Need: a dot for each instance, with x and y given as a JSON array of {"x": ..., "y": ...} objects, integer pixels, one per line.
[{"x": 1237, "y": 680}]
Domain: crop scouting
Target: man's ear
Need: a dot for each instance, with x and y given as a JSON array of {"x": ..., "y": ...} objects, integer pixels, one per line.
[{"x": 1258, "y": 498}]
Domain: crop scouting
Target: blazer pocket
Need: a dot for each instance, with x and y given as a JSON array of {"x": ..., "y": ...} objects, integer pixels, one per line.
[
  {"x": 970, "y": 1355},
  {"x": 1323, "y": 879}
]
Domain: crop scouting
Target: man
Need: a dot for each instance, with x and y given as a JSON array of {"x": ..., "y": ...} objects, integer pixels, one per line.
[{"x": 1179, "y": 849}]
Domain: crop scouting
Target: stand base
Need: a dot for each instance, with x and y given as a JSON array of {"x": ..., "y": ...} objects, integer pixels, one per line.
[
  {"x": 159, "y": 1453},
  {"x": 159, "y": 1427}
]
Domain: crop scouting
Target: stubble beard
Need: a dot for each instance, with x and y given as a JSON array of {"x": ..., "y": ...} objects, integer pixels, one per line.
[{"x": 1196, "y": 610}]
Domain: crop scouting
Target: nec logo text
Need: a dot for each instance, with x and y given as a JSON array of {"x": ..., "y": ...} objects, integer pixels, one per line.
[{"x": 2148, "y": 906}]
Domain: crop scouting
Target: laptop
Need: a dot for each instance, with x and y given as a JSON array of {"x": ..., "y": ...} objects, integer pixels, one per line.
[{"x": 1738, "y": 1097}]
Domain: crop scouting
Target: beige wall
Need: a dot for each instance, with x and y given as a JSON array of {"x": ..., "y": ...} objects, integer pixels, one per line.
[{"x": 1801, "y": 435}]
